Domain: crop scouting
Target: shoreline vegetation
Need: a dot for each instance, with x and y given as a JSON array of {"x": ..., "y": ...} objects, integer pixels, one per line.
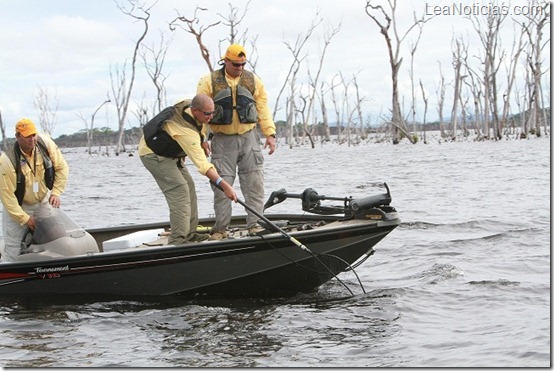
[
  {"x": 517, "y": 128},
  {"x": 108, "y": 140}
]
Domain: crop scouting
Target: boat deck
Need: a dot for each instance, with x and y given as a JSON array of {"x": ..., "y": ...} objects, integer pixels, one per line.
[{"x": 159, "y": 237}]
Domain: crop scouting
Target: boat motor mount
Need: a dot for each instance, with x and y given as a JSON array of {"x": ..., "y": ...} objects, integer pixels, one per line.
[{"x": 311, "y": 202}]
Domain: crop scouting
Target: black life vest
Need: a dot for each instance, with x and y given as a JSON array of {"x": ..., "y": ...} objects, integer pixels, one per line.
[
  {"x": 15, "y": 156},
  {"x": 223, "y": 99},
  {"x": 158, "y": 140}
]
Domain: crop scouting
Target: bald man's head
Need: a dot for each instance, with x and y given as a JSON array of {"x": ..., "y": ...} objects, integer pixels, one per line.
[{"x": 202, "y": 107}]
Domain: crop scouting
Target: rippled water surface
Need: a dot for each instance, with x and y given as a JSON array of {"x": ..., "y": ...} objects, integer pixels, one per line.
[{"x": 463, "y": 282}]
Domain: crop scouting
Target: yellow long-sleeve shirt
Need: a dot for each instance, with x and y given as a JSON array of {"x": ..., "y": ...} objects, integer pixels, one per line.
[
  {"x": 236, "y": 127},
  {"x": 188, "y": 139},
  {"x": 32, "y": 175}
]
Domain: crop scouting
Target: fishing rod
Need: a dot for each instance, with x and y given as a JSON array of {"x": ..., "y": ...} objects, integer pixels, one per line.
[{"x": 288, "y": 236}]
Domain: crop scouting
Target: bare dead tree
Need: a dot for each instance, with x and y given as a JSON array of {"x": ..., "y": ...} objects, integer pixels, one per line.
[
  {"x": 296, "y": 50},
  {"x": 464, "y": 101},
  {"x": 412, "y": 49},
  {"x": 335, "y": 101},
  {"x": 459, "y": 53},
  {"x": 511, "y": 69},
  {"x": 313, "y": 82},
  {"x": 302, "y": 114},
  {"x": 90, "y": 130},
  {"x": 521, "y": 102},
  {"x": 349, "y": 112},
  {"x": 253, "y": 57},
  {"x": 232, "y": 21},
  {"x": 291, "y": 106},
  {"x": 289, "y": 131},
  {"x": 345, "y": 108},
  {"x": 141, "y": 112},
  {"x": 193, "y": 26},
  {"x": 153, "y": 58},
  {"x": 346, "y": 111},
  {"x": 46, "y": 113},
  {"x": 441, "y": 92},
  {"x": 90, "y": 137},
  {"x": 105, "y": 134},
  {"x": 358, "y": 106},
  {"x": 385, "y": 19},
  {"x": 537, "y": 21},
  {"x": 122, "y": 92},
  {"x": 324, "y": 116},
  {"x": 426, "y": 105},
  {"x": 189, "y": 26},
  {"x": 119, "y": 89},
  {"x": 489, "y": 35},
  {"x": 475, "y": 86}
]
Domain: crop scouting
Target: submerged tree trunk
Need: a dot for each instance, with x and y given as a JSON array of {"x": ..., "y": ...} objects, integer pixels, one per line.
[
  {"x": 375, "y": 12},
  {"x": 122, "y": 92}
]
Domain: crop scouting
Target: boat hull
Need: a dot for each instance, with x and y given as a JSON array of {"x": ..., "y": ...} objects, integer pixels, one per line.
[{"x": 267, "y": 265}]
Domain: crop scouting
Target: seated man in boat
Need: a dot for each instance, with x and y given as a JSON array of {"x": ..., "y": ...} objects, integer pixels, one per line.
[
  {"x": 171, "y": 135},
  {"x": 34, "y": 171}
]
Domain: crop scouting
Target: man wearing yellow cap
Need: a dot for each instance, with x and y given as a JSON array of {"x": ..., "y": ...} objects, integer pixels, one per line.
[
  {"x": 240, "y": 102},
  {"x": 32, "y": 172}
]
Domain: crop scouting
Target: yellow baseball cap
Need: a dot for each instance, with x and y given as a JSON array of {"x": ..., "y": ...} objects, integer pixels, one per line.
[
  {"x": 25, "y": 127},
  {"x": 236, "y": 52}
]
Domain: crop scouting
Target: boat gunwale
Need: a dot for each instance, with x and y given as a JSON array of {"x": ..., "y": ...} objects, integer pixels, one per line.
[{"x": 187, "y": 251}]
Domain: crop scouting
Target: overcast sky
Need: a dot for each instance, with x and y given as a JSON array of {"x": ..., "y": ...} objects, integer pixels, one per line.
[{"x": 68, "y": 46}]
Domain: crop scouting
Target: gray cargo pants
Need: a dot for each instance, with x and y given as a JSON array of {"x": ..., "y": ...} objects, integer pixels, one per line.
[
  {"x": 178, "y": 188},
  {"x": 242, "y": 154}
]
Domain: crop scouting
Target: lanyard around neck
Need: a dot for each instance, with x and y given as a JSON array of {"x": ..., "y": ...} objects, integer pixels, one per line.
[{"x": 34, "y": 168}]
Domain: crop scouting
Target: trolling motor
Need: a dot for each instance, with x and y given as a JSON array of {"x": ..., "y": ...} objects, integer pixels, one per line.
[{"x": 311, "y": 202}]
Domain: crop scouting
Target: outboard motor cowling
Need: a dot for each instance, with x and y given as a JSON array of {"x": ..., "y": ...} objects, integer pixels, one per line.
[{"x": 55, "y": 236}]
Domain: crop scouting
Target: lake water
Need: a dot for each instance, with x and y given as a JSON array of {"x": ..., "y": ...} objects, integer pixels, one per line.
[{"x": 463, "y": 282}]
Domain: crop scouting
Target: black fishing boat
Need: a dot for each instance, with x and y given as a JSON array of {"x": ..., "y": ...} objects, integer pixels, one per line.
[{"x": 295, "y": 253}]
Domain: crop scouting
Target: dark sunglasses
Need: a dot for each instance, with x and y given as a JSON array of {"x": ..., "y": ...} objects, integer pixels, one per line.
[
  {"x": 204, "y": 112},
  {"x": 238, "y": 64}
]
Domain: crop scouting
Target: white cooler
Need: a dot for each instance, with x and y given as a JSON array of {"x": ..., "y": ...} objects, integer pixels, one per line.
[{"x": 132, "y": 239}]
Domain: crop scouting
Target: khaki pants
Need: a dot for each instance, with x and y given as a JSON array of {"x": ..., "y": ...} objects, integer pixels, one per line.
[
  {"x": 242, "y": 155},
  {"x": 13, "y": 232},
  {"x": 178, "y": 188}
]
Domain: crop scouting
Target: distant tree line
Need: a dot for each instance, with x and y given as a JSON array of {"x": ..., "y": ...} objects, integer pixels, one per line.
[{"x": 107, "y": 139}]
